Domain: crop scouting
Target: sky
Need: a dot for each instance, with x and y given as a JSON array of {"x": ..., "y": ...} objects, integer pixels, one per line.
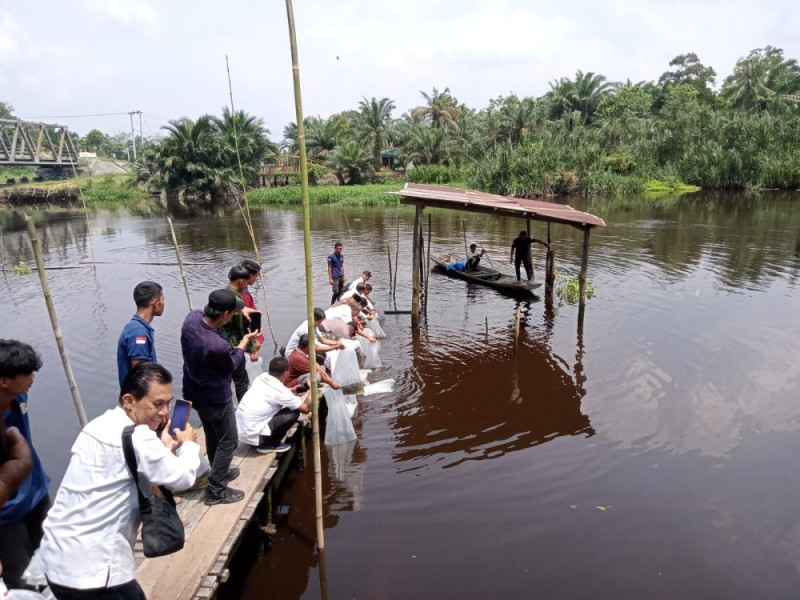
[{"x": 167, "y": 58}]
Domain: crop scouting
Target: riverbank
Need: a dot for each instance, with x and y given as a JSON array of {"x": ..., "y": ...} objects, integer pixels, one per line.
[{"x": 107, "y": 190}]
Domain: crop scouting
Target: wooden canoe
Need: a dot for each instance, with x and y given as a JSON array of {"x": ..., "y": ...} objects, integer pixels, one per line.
[{"x": 485, "y": 276}]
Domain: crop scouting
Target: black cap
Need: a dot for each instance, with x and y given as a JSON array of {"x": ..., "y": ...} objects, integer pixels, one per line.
[
  {"x": 224, "y": 301},
  {"x": 367, "y": 273}
]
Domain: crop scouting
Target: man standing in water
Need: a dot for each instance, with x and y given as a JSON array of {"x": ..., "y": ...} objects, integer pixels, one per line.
[
  {"x": 522, "y": 246},
  {"x": 336, "y": 272},
  {"x": 137, "y": 340}
]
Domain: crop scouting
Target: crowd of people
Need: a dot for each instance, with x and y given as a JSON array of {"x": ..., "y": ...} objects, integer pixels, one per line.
[{"x": 85, "y": 536}]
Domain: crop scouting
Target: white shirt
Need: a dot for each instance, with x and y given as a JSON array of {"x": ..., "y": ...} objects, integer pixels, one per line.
[
  {"x": 292, "y": 343},
  {"x": 262, "y": 401},
  {"x": 353, "y": 285},
  {"x": 343, "y": 313},
  {"x": 90, "y": 531},
  {"x": 347, "y": 294}
]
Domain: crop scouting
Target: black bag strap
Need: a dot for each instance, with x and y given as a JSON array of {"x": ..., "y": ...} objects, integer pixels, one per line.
[{"x": 133, "y": 467}]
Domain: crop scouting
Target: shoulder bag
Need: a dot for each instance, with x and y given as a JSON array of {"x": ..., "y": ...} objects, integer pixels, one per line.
[{"x": 162, "y": 528}]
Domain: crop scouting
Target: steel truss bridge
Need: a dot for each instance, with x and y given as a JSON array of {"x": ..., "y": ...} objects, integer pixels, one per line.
[{"x": 36, "y": 144}]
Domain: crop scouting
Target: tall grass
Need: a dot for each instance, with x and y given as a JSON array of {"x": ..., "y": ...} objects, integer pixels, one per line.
[{"x": 349, "y": 195}]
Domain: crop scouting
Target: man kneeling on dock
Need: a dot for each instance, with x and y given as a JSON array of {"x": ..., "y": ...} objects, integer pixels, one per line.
[{"x": 269, "y": 408}]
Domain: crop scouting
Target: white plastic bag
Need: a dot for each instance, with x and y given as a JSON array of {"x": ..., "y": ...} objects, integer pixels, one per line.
[
  {"x": 351, "y": 402},
  {"x": 379, "y": 387},
  {"x": 253, "y": 368},
  {"x": 338, "y": 427},
  {"x": 376, "y": 327},
  {"x": 344, "y": 367},
  {"x": 370, "y": 349}
]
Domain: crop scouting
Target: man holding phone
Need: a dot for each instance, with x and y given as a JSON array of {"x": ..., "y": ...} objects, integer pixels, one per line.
[
  {"x": 209, "y": 362},
  {"x": 269, "y": 408}
]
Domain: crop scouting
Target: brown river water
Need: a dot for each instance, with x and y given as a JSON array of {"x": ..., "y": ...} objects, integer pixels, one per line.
[{"x": 653, "y": 456}]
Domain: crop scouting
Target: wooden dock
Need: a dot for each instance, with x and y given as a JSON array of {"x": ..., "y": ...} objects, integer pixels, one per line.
[{"x": 212, "y": 532}]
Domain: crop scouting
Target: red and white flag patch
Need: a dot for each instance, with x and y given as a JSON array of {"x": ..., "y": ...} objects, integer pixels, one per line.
[{"x": 141, "y": 340}]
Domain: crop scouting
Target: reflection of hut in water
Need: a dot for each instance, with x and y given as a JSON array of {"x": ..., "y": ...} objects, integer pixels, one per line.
[{"x": 486, "y": 405}]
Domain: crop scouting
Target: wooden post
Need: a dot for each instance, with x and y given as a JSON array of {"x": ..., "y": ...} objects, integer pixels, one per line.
[
  {"x": 582, "y": 276},
  {"x": 396, "y": 269},
  {"x": 427, "y": 271},
  {"x": 51, "y": 310},
  {"x": 415, "y": 257},
  {"x": 516, "y": 329},
  {"x": 421, "y": 258},
  {"x": 180, "y": 262},
  {"x": 550, "y": 266},
  {"x": 301, "y": 136},
  {"x": 530, "y": 248}
]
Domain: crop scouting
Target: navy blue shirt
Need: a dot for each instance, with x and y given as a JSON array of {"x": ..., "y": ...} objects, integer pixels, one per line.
[
  {"x": 35, "y": 487},
  {"x": 336, "y": 263},
  {"x": 136, "y": 342},
  {"x": 209, "y": 361}
]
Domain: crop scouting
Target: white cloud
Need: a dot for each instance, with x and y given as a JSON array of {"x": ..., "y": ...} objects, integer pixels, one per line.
[
  {"x": 14, "y": 39},
  {"x": 133, "y": 13}
]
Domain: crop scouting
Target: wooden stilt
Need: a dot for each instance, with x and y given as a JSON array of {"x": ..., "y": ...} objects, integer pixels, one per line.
[
  {"x": 396, "y": 255},
  {"x": 414, "y": 262},
  {"x": 516, "y": 329},
  {"x": 530, "y": 248},
  {"x": 550, "y": 266},
  {"x": 582, "y": 276}
]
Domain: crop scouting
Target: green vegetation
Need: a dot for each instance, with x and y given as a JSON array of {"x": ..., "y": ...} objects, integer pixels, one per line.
[
  {"x": 17, "y": 174},
  {"x": 21, "y": 269},
  {"x": 364, "y": 195},
  {"x": 569, "y": 290}
]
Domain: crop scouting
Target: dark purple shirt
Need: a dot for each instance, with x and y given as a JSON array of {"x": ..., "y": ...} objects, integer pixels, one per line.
[{"x": 208, "y": 362}]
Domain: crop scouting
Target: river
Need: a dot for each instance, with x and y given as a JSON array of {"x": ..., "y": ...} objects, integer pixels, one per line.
[{"x": 652, "y": 456}]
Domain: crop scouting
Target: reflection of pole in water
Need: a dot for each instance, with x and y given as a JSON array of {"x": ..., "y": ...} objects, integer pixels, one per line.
[
  {"x": 580, "y": 375},
  {"x": 323, "y": 576}
]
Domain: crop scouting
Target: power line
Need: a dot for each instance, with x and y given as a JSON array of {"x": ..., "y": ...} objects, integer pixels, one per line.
[{"x": 117, "y": 114}]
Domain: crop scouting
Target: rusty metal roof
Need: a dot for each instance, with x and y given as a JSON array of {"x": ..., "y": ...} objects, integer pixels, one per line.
[{"x": 439, "y": 196}]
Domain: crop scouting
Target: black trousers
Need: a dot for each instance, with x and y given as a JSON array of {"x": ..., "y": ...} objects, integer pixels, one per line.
[
  {"x": 279, "y": 425},
  {"x": 219, "y": 425},
  {"x": 18, "y": 542},
  {"x": 338, "y": 288},
  {"x": 127, "y": 591},
  {"x": 472, "y": 263},
  {"x": 524, "y": 259},
  {"x": 240, "y": 379}
]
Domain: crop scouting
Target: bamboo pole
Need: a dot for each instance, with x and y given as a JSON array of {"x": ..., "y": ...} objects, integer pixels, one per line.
[
  {"x": 466, "y": 248},
  {"x": 2, "y": 251},
  {"x": 516, "y": 329},
  {"x": 352, "y": 246},
  {"x": 550, "y": 266},
  {"x": 489, "y": 258},
  {"x": 180, "y": 262},
  {"x": 391, "y": 280},
  {"x": 530, "y": 246},
  {"x": 396, "y": 269},
  {"x": 248, "y": 219},
  {"x": 312, "y": 355},
  {"x": 51, "y": 310},
  {"x": 427, "y": 264}
]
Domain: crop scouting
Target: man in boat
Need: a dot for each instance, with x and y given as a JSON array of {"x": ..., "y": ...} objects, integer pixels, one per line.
[
  {"x": 474, "y": 257},
  {"x": 269, "y": 409},
  {"x": 209, "y": 362},
  {"x": 137, "y": 340},
  {"x": 89, "y": 534},
  {"x": 24, "y": 508},
  {"x": 249, "y": 301},
  {"x": 522, "y": 246},
  {"x": 365, "y": 277},
  {"x": 336, "y": 272},
  {"x": 236, "y": 328},
  {"x": 300, "y": 365}
]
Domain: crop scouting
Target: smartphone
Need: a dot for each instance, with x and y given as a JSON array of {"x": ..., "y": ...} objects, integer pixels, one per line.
[
  {"x": 180, "y": 415},
  {"x": 255, "y": 322}
]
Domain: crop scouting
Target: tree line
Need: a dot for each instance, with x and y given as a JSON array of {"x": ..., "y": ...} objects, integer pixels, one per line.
[{"x": 585, "y": 134}]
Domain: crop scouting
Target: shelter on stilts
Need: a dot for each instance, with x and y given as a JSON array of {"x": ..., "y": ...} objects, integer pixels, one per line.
[{"x": 437, "y": 196}]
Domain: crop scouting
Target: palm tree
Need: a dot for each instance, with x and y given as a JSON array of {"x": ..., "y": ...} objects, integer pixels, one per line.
[
  {"x": 376, "y": 118},
  {"x": 763, "y": 78},
  {"x": 428, "y": 146},
  {"x": 254, "y": 144},
  {"x": 589, "y": 90},
  {"x": 350, "y": 163},
  {"x": 324, "y": 135},
  {"x": 441, "y": 110}
]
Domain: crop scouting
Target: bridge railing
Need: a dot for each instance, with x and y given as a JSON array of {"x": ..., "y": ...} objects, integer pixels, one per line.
[{"x": 36, "y": 144}]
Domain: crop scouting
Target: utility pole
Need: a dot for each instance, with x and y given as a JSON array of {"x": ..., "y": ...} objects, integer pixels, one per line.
[
  {"x": 141, "y": 133},
  {"x": 133, "y": 131}
]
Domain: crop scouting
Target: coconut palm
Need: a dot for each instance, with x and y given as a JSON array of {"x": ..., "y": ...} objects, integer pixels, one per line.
[
  {"x": 441, "y": 110},
  {"x": 249, "y": 132},
  {"x": 763, "y": 78},
  {"x": 376, "y": 118}
]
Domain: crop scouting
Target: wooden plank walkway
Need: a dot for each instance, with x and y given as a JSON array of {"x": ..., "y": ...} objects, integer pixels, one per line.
[{"x": 212, "y": 532}]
